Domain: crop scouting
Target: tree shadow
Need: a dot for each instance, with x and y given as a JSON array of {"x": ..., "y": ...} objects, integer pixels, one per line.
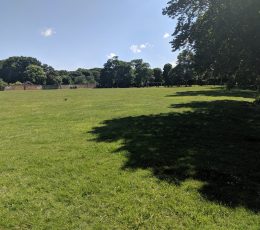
[
  {"x": 217, "y": 93},
  {"x": 217, "y": 143}
]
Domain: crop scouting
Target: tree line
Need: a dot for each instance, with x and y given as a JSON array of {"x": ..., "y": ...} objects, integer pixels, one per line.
[
  {"x": 18, "y": 70},
  {"x": 137, "y": 73},
  {"x": 115, "y": 73}
]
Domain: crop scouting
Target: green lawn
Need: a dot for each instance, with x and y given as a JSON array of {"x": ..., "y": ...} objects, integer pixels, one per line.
[{"x": 157, "y": 158}]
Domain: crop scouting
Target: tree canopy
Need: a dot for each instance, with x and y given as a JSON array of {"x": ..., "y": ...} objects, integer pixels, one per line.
[
  {"x": 223, "y": 35},
  {"x": 13, "y": 68},
  {"x": 35, "y": 74},
  {"x": 117, "y": 73}
]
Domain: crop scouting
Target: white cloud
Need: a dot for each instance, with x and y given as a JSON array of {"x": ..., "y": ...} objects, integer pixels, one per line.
[
  {"x": 48, "y": 32},
  {"x": 138, "y": 48},
  {"x": 111, "y": 55},
  {"x": 143, "y": 46},
  {"x": 166, "y": 35},
  {"x": 135, "y": 49}
]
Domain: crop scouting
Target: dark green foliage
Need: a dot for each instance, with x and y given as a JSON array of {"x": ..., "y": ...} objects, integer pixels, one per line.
[
  {"x": 81, "y": 76},
  {"x": 224, "y": 36},
  {"x": 2, "y": 84},
  {"x": 52, "y": 76},
  {"x": 66, "y": 80},
  {"x": 35, "y": 74},
  {"x": 65, "y": 77},
  {"x": 80, "y": 80},
  {"x": 186, "y": 67},
  {"x": 86, "y": 76},
  {"x": 118, "y": 73},
  {"x": 108, "y": 73},
  {"x": 95, "y": 72},
  {"x": 176, "y": 76},
  {"x": 13, "y": 68},
  {"x": 166, "y": 77},
  {"x": 142, "y": 71},
  {"x": 158, "y": 75},
  {"x": 183, "y": 73},
  {"x": 115, "y": 73},
  {"x": 124, "y": 76}
]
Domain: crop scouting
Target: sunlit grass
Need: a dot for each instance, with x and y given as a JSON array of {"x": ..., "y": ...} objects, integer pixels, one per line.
[{"x": 56, "y": 175}]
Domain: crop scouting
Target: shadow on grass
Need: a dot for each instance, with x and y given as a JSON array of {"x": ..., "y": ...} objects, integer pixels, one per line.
[
  {"x": 218, "y": 143},
  {"x": 217, "y": 92}
]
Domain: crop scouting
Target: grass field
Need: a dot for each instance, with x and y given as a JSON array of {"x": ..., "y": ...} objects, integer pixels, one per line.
[{"x": 157, "y": 158}]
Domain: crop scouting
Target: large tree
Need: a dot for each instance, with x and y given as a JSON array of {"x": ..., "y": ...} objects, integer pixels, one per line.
[
  {"x": 224, "y": 35},
  {"x": 143, "y": 73},
  {"x": 13, "y": 68},
  {"x": 35, "y": 74},
  {"x": 176, "y": 77},
  {"x": 116, "y": 73},
  {"x": 166, "y": 77},
  {"x": 52, "y": 76},
  {"x": 95, "y": 72},
  {"x": 158, "y": 75},
  {"x": 107, "y": 74},
  {"x": 124, "y": 75},
  {"x": 185, "y": 67}
]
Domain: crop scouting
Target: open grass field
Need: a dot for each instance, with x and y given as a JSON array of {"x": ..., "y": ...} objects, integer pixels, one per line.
[{"x": 155, "y": 158}]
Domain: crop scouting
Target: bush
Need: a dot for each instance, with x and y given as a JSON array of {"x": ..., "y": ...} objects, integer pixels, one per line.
[
  {"x": 2, "y": 85},
  {"x": 17, "y": 83}
]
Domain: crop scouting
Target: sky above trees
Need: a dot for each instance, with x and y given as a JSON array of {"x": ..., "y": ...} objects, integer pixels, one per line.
[{"x": 68, "y": 34}]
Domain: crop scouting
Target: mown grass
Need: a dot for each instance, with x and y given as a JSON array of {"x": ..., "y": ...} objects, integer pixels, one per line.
[{"x": 157, "y": 158}]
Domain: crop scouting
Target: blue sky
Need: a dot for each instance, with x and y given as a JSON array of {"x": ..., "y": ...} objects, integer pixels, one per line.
[{"x": 68, "y": 34}]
